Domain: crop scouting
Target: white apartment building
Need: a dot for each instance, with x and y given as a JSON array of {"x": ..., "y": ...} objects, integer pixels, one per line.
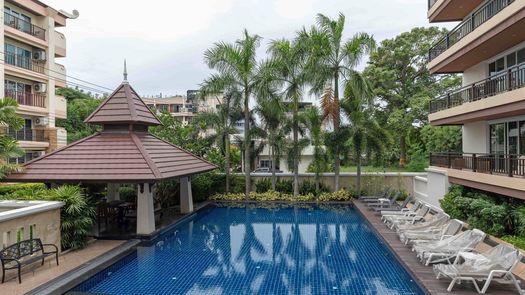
[
  {"x": 488, "y": 48},
  {"x": 31, "y": 46}
]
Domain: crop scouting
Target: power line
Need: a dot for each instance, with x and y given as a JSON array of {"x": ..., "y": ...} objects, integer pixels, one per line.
[
  {"x": 84, "y": 87},
  {"x": 68, "y": 76}
]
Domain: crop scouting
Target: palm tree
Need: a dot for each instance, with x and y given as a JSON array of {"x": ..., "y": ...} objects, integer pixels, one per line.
[
  {"x": 223, "y": 121},
  {"x": 285, "y": 72},
  {"x": 237, "y": 68},
  {"x": 8, "y": 146},
  {"x": 314, "y": 121},
  {"x": 363, "y": 131},
  {"x": 272, "y": 115},
  {"x": 332, "y": 59}
]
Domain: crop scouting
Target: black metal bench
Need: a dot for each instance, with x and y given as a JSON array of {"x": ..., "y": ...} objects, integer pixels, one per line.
[{"x": 24, "y": 253}]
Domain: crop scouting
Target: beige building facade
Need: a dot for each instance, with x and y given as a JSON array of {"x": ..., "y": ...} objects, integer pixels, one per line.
[
  {"x": 32, "y": 47},
  {"x": 488, "y": 48},
  {"x": 184, "y": 107}
]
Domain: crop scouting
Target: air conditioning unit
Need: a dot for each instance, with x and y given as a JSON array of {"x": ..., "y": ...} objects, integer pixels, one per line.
[
  {"x": 39, "y": 55},
  {"x": 42, "y": 121},
  {"x": 40, "y": 87}
]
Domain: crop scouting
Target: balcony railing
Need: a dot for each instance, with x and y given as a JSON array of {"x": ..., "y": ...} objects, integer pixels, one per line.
[
  {"x": 503, "y": 164},
  {"x": 512, "y": 78},
  {"x": 431, "y": 3},
  {"x": 27, "y": 98},
  {"x": 26, "y": 134},
  {"x": 477, "y": 18},
  {"x": 24, "y": 62},
  {"x": 24, "y": 26}
]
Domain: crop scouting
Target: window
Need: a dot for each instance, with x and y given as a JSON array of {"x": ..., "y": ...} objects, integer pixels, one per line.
[
  {"x": 162, "y": 107},
  {"x": 521, "y": 55},
  {"x": 522, "y": 137},
  {"x": 511, "y": 60},
  {"x": 512, "y": 138},
  {"x": 264, "y": 163},
  {"x": 17, "y": 56},
  {"x": 497, "y": 138},
  {"x": 497, "y": 66}
]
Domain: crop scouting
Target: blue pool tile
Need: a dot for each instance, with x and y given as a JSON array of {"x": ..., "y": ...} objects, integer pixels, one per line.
[{"x": 278, "y": 250}]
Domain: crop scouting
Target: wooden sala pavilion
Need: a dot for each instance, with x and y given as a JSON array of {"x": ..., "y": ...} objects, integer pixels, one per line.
[{"x": 122, "y": 153}]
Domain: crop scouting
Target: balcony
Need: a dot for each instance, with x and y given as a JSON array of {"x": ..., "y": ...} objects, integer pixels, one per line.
[
  {"x": 27, "y": 98},
  {"x": 26, "y": 134},
  {"x": 450, "y": 10},
  {"x": 21, "y": 61},
  {"x": 477, "y": 18},
  {"x": 24, "y": 26},
  {"x": 500, "y": 164},
  {"x": 509, "y": 80},
  {"x": 491, "y": 98},
  {"x": 498, "y": 173}
]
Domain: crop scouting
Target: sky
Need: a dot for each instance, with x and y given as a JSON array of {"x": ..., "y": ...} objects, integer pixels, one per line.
[{"x": 164, "y": 41}]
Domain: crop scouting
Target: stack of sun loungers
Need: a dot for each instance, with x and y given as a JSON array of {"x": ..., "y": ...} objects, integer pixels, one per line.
[{"x": 441, "y": 242}]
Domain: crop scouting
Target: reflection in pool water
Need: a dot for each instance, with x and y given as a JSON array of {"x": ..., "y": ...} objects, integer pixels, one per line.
[{"x": 280, "y": 250}]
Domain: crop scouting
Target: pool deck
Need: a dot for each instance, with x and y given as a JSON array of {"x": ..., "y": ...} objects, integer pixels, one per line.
[
  {"x": 36, "y": 275},
  {"x": 423, "y": 274}
]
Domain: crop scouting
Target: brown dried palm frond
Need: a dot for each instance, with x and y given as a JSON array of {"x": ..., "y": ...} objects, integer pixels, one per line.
[{"x": 329, "y": 105}]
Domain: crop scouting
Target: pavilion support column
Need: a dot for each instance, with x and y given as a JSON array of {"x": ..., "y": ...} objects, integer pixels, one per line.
[
  {"x": 186, "y": 198},
  {"x": 113, "y": 193},
  {"x": 145, "y": 210}
]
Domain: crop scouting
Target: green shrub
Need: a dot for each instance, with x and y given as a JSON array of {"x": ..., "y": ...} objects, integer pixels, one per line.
[
  {"x": 269, "y": 196},
  {"x": 76, "y": 217},
  {"x": 308, "y": 187},
  {"x": 263, "y": 185},
  {"x": 515, "y": 240},
  {"x": 21, "y": 189},
  {"x": 284, "y": 186},
  {"x": 418, "y": 163},
  {"x": 128, "y": 193}
]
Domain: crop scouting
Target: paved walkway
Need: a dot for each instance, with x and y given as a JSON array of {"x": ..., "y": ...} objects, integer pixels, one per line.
[
  {"x": 423, "y": 273},
  {"x": 33, "y": 277}
]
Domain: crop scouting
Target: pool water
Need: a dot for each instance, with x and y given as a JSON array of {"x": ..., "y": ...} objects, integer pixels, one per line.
[{"x": 299, "y": 249}]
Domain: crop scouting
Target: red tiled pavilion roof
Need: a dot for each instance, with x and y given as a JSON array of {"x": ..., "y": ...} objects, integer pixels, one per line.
[
  {"x": 130, "y": 157},
  {"x": 124, "y": 105},
  {"x": 117, "y": 154}
]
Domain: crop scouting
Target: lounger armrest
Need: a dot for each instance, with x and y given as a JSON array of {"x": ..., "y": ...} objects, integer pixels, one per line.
[{"x": 445, "y": 236}]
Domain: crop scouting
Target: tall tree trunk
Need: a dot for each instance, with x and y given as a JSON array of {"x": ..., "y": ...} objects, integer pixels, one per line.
[
  {"x": 336, "y": 119},
  {"x": 227, "y": 160},
  {"x": 274, "y": 179},
  {"x": 246, "y": 144},
  {"x": 358, "y": 181},
  {"x": 402, "y": 151},
  {"x": 296, "y": 151}
]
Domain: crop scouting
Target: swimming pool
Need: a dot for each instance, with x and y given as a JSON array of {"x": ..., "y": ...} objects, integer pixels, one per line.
[{"x": 301, "y": 249}]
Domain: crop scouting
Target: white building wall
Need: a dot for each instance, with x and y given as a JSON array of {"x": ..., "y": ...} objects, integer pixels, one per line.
[
  {"x": 437, "y": 186},
  {"x": 476, "y": 137},
  {"x": 475, "y": 74}
]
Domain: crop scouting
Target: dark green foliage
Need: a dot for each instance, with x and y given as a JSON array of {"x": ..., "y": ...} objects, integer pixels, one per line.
[
  {"x": 79, "y": 106},
  {"x": 417, "y": 163},
  {"x": 263, "y": 185},
  {"x": 128, "y": 193},
  {"x": 22, "y": 189},
  {"x": 284, "y": 186},
  {"x": 490, "y": 213},
  {"x": 308, "y": 187},
  {"x": 515, "y": 240}
]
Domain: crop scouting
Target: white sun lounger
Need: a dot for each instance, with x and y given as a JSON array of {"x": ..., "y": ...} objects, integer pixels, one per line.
[
  {"x": 447, "y": 249},
  {"x": 408, "y": 218},
  {"x": 496, "y": 264},
  {"x": 443, "y": 231}
]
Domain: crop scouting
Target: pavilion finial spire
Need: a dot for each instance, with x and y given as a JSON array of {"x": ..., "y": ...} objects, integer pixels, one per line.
[{"x": 125, "y": 72}]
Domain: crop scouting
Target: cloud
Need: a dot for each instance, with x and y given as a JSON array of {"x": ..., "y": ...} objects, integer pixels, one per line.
[{"x": 294, "y": 8}]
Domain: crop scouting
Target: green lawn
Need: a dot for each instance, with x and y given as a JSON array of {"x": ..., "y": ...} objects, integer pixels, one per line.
[{"x": 374, "y": 169}]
